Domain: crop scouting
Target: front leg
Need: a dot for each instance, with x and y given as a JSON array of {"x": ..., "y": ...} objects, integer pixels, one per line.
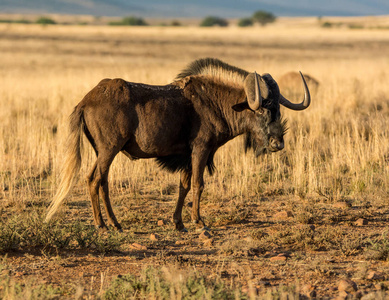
[
  {"x": 199, "y": 162},
  {"x": 185, "y": 177}
]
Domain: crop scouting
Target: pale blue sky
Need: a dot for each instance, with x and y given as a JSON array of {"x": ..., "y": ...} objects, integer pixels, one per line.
[{"x": 198, "y": 8}]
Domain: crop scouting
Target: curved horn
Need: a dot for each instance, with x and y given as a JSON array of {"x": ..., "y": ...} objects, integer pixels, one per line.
[
  {"x": 299, "y": 106},
  {"x": 254, "y": 100}
]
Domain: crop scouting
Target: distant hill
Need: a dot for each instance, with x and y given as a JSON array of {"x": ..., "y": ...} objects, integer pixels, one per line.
[{"x": 198, "y": 8}]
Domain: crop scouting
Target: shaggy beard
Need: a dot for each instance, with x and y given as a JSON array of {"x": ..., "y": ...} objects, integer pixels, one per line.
[{"x": 261, "y": 148}]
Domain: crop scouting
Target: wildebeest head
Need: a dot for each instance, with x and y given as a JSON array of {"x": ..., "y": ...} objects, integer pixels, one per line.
[{"x": 266, "y": 128}]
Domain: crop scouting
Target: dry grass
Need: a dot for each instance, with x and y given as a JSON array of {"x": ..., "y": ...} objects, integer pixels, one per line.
[
  {"x": 338, "y": 146},
  {"x": 336, "y": 150}
]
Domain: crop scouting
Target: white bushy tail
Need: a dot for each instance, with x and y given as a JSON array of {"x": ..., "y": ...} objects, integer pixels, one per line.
[{"x": 72, "y": 162}]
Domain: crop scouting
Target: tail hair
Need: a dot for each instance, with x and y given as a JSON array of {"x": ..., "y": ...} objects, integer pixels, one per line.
[{"x": 72, "y": 162}]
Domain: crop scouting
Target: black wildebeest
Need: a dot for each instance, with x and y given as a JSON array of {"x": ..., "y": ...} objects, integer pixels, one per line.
[{"x": 181, "y": 124}]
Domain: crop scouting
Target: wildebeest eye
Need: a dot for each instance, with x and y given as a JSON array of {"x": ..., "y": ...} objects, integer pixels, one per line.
[
  {"x": 264, "y": 113},
  {"x": 260, "y": 111}
]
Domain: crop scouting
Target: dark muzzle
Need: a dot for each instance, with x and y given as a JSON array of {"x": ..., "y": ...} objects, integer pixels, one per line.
[{"x": 275, "y": 145}]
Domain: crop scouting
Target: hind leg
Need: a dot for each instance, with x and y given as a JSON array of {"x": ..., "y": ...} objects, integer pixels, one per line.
[
  {"x": 104, "y": 193},
  {"x": 106, "y": 158},
  {"x": 98, "y": 183},
  {"x": 93, "y": 186}
]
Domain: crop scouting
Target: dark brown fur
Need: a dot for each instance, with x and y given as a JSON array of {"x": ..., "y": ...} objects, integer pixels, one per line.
[
  {"x": 181, "y": 125},
  {"x": 224, "y": 71}
]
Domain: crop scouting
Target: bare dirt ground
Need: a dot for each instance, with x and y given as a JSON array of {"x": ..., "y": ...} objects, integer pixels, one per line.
[{"x": 273, "y": 242}]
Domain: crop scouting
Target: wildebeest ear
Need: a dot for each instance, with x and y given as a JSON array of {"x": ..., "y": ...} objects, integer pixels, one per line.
[{"x": 241, "y": 106}]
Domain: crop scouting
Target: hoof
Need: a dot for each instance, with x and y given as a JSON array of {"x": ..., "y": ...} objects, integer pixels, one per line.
[{"x": 180, "y": 227}]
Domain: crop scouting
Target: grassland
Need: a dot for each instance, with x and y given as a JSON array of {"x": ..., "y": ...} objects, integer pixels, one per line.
[{"x": 302, "y": 204}]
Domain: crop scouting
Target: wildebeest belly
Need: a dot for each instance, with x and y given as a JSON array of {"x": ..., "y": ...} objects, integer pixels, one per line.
[
  {"x": 148, "y": 147},
  {"x": 164, "y": 127}
]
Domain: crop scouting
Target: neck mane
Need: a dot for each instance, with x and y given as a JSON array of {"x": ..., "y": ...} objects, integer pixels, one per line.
[
  {"x": 222, "y": 85},
  {"x": 216, "y": 69}
]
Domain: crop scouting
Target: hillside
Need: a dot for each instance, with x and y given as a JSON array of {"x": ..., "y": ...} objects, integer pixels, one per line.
[{"x": 200, "y": 8}]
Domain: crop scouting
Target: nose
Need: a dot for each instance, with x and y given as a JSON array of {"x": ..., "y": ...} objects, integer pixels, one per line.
[
  {"x": 280, "y": 145},
  {"x": 276, "y": 145}
]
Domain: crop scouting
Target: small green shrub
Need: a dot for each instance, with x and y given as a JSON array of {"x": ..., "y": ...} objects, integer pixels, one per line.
[
  {"x": 45, "y": 21},
  {"x": 109, "y": 241},
  {"x": 10, "y": 235},
  {"x": 175, "y": 23},
  {"x": 33, "y": 232},
  {"x": 214, "y": 21},
  {"x": 263, "y": 17},
  {"x": 245, "y": 22},
  {"x": 378, "y": 249},
  {"x": 129, "y": 21}
]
